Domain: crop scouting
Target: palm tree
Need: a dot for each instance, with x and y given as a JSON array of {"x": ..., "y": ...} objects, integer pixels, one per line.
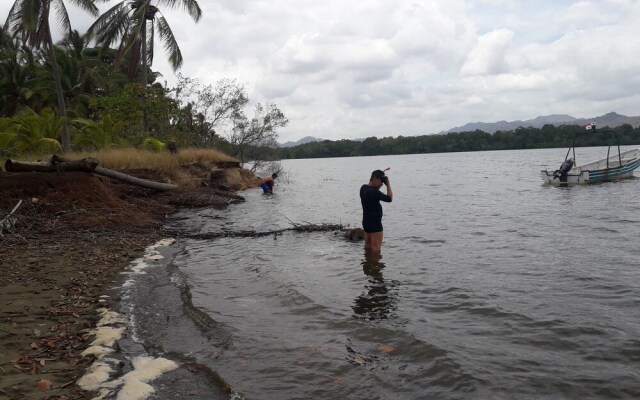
[
  {"x": 83, "y": 74},
  {"x": 30, "y": 19},
  {"x": 133, "y": 23},
  {"x": 17, "y": 71},
  {"x": 30, "y": 132},
  {"x": 102, "y": 135}
]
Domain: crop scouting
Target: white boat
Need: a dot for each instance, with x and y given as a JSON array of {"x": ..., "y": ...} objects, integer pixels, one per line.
[
  {"x": 618, "y": 166},
  {"x": 610, "y": 168}
]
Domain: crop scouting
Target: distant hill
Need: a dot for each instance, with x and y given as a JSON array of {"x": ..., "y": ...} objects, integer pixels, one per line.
[
  {"x": 611, "y": 120},
  {"x": 304, "y": 140}
]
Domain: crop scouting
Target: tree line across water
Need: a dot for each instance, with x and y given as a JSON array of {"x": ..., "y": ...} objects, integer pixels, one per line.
[{"x": 549, "y": 136}]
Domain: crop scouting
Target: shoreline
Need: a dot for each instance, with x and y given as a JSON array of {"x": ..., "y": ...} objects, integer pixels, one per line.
[
  {"x": 127, "y": 364},
  {"x": 71, "y": 240},
  {"x": 47, "y": 320},
  {"x": 161, "y": 326}
]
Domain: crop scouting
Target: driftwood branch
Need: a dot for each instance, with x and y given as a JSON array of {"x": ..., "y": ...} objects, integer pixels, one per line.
[
  {"x": 6, "y": 221},
  {"x": 296, "y": 228},
  {"x": 57, "y": 163},
  {"x": 18, "y": 204}
]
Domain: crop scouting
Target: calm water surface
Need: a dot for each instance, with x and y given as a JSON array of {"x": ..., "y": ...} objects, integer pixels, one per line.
[{"x": 492, "y": 285}]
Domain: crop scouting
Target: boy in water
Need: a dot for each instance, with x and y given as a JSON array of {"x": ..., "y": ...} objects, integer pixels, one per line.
[
  {"x": 370, "y": 197},
  {"x": 267, "y": 183}
]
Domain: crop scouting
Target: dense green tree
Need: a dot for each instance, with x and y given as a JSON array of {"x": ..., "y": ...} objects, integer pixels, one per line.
[
  {"x": 17, "y": 71},
  {"x": 30, "y": 19},
  {"x": 128, "y": 106}
]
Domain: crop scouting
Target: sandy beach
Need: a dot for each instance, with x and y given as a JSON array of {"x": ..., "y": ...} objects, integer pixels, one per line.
[{"x": 62, "y": 253}]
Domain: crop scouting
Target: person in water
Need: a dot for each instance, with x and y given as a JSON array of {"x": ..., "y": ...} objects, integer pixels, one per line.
[
  {"x": 370, "y": 197},
  {"x": 267, "y": 183}
]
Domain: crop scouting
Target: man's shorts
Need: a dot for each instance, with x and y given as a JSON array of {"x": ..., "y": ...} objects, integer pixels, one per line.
[
  {"x": 265, "y": 187},
  {"x": 372, "y": 226}
]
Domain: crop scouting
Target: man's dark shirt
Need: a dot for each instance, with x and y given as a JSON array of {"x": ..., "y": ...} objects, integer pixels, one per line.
[{"x": 370, "y": 198}]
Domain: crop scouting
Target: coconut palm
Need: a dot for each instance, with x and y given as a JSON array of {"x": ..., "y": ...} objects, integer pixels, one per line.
[
  {"x": 30, "y": 132},
  {"x": 30, "y": 19},
  {"x": 17, "y": 70},
  {"x": 102, "y": 135},
  {"x": 83, "y": 74},
  {"x": 134, "y": 23}
]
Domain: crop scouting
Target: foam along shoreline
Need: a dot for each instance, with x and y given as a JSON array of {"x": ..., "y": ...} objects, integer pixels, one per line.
[{"x": 102, "y": 374}]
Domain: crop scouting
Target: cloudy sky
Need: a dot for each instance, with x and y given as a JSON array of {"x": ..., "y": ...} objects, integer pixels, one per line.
[{"x": 359, "y": 68}]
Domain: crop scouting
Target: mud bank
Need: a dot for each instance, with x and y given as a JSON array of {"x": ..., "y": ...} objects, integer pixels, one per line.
[{"x": 62, "y": 254}]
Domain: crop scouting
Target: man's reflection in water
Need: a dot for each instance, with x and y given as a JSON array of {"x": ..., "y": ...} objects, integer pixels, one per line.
[{"x": 378, "y": 299}]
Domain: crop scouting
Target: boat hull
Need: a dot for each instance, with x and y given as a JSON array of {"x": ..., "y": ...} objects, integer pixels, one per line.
[{"x": 593, "y": 172}]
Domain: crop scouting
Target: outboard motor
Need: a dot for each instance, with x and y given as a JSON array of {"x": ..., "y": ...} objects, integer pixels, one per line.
[{"x": 564, "y": 170}]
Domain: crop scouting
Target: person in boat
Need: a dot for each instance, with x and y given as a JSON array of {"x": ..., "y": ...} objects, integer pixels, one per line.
[
  {"x": 370, "y": 197},
  {"x": 268, "y": 182}
]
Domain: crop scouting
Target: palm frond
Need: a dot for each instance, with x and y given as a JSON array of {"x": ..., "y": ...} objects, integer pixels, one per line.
[
  {"x": 29, "y": 13},
  {"x": 191, "y": 6},
  {"x": 107, "y": 26},
  {"x": 7, "y": 139},
  {"x": 98, "y": 135},
  {"x": 25, "y": 20},
  {"x": 29, "y": 131},
  {"x": 170, "y": 44},
  {"x": 150, "y": 41},
  {"x": 75, "y": 43},
  {"x": 63, "y": 15},
  {"x": 11, "y": 17},
  {"x": 43, "y": 30},
  {"x": 87, "y": 5}
]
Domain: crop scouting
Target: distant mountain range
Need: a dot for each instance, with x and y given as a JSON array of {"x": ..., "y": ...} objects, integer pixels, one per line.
[
  {"x": 611, "y": 120},
  {"x": 304, "y": 140}
]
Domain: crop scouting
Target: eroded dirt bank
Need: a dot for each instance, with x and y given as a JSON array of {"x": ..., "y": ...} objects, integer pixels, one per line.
[{"x": 63, "y": 250}]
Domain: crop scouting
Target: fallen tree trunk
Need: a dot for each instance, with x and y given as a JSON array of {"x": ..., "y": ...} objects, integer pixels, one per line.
[
  {"x": 86, "y": 164},
  {"x": 57, "y": 163},
  {"x": 133, "y": 180}
]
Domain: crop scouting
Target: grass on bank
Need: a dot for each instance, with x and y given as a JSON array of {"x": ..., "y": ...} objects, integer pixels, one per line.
[
  {"x": 137, "y": 158},
  {"x": 119, "y": 159}
]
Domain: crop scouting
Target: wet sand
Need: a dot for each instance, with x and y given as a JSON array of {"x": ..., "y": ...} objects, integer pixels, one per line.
[{"x": 50, "y": 291}]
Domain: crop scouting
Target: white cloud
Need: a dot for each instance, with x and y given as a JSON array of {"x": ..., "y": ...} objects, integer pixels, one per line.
[
  {"x": 488, "y": 56},
  {"x": 352, "y": 69}
]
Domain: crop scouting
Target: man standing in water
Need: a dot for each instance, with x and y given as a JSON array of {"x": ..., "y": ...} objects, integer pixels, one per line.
[
  {"x": 370, "y": 197},
  {"x": 267, "y": 183}
]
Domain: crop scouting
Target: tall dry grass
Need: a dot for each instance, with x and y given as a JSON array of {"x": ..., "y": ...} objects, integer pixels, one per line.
[{"x": 137, "y": 158}]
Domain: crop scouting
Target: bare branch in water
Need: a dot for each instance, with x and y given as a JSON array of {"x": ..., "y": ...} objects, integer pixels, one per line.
[{"x": 296, "y": 227}]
